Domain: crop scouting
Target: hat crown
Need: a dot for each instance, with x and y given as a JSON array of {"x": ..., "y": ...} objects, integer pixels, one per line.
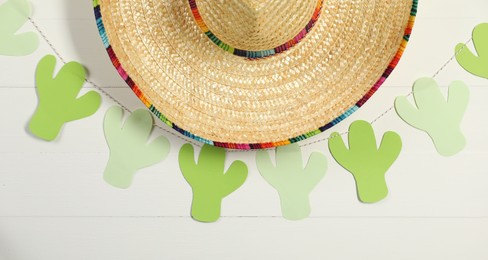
[{"x": 256, "y": 25}]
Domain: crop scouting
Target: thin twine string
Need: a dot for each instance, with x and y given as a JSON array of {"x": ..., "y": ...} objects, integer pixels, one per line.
[
  {"x": 96, "y": 86},
  {"x": 408, "y": 95}
]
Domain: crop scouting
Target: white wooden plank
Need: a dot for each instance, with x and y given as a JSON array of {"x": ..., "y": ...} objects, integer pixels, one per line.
[
  {"x": 436, "y": 208},
  {"x": 72, "y": 185},
  {"x": 243, "y": 239}
]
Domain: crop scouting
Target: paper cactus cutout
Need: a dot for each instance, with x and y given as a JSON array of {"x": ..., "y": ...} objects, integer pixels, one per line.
[
  {"x": 13, "y": 15},
  {"x": 475, "y": 64},
  {"x": 441, "y": 119},
  {"x": 129, "y": 147},
  {"x": 209, "y": 182},
  {"x": 367, "y": 163},
  {"x": 293, "y": 182},
  {"x": 58, "y": 102}
]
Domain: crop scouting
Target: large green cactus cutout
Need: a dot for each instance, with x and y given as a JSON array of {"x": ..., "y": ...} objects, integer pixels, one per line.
[
  {"x": 367, "y": 163},
  {"x": 209, "y": 182},
  {"x": 58, "y": 98},
  {"x": 475, "y": 64},
  {"x": 440, "y": 118},
  {"x": 293, "y": 182},
  {"x": 129, "y": 147},
  {"x": 13, "y": 15}
]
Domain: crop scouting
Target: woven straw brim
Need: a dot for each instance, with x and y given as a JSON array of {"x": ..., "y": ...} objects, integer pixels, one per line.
[{"x": 213, "y": 96}]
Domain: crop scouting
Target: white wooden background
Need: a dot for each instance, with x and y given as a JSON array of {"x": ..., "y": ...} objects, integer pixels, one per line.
[{"x": 55, "y": 205}]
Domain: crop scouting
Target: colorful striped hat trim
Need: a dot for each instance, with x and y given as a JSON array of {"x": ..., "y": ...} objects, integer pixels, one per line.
[
  {"x": 255, "y": 54},
  {"x": 149, "y": 104}
]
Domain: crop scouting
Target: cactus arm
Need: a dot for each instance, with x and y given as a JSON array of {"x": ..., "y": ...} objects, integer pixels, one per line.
[
  {"x": 157, "y": 149},
  {"x": 469, "y": 61},
  {"x": 72, "y": 72},
  {"x": 390, "y": 148},
  {"x": 187, "y": 163},
  {"x": 427, "y": 94},
  {"x": 406, "y": 111},
  {"x": 129, "y": 150},
  {"x": 338, "y": 149},
  {"x": 85, "y": 106},
  {"x": 289, "y": 158},
  {"x": 211, "y": 160},
  {"x": 13, "y": 15},
  {"x": 112, "y": 124},
  {"x": 44, "y": 74},
  {"x": 234, "y": 178},
  {"x": 477, "y": 65},
  {"x": 480, "y": 37},
  {"x": 315, "y": 170},
  {"x": 458, "y": 99},
  {"x": 266, "y": 167},
  {"x": 138, "y": 126}
]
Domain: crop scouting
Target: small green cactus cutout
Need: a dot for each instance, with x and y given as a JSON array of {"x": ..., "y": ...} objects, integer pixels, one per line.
[
  {"x": 475, "y": 64},
  {"x": 209, "y": 182},
  {"x": 58, "y": 98},
  {"x": 440, "y": 118},
  {"x": 367, "y": 163},
  {"x": 293, "y": 182},
  {"x": 129, "y": 147},
  {"x": 13, "y": 15}
]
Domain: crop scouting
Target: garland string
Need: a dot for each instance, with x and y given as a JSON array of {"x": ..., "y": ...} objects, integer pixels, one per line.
[{"x": 96, "y": 86}]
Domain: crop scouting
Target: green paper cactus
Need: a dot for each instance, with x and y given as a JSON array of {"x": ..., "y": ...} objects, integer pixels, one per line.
[
  {"x": 58, "y": 98},
  {"x": 367, "y": 163},
  {"x": 293, "y": 182},
  {"x": 475, "y": 64},
  {"x": 209, "y": 182},
  {"x": 129, "y": 147},
  {"x": 13, "y": 15},
  {"x": 439, "y": 117}
]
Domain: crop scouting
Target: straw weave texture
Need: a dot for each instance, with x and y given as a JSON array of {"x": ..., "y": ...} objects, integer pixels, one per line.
[{"x": 230, "y": 99}]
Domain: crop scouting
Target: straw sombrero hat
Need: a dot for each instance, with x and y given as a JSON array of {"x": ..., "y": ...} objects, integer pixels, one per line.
[{"x": 249, "y": 74}]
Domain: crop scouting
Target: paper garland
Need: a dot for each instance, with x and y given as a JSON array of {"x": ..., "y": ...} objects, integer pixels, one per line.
[
  {"x": 13, "y": 15},
  {"x": 364, "y": 160},
  {"x": 58, "y": 98},
  {"x": 293, "y": 182},
  {"x": 440, "y": 118},
  {"x": 129, "y": 147},
  {"x": 209, "y": 182}
]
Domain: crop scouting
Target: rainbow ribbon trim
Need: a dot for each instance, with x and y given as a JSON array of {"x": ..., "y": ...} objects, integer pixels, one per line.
[
  {"x": 154, "y": 110},
  {"x": 255, "y": 54}
]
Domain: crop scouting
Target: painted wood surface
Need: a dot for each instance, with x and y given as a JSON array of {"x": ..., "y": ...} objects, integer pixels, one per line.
[{"x": 54, "y": 203}]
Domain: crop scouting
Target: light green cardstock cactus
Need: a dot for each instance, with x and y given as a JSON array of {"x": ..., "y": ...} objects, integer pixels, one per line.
[
  {"x": 367, "y": 163},
  {"x": 13, "y": 15},
  {"x": 58, "y": 98},
  {"x": 129, "y": 147},
  {"x": 209, "y": 182},
  {"x": 475, "y": 64},
  {"x": 293, "y": 182},
  {"x": 440, "y": 118}
]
